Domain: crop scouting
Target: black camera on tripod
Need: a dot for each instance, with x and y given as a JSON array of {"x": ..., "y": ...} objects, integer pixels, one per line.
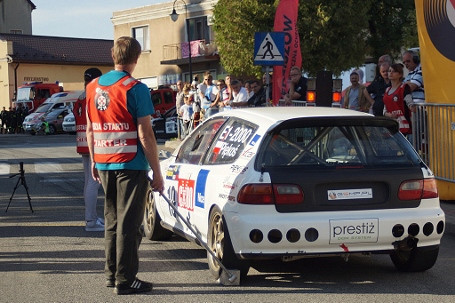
[
  {"x": 21, "y": 171},
  {"x": 20, "y": 181}
]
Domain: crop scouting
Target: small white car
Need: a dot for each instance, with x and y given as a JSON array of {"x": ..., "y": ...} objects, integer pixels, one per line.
[
  {"x": 69, "y": 123},
  {"x": 292, "y": 182}
]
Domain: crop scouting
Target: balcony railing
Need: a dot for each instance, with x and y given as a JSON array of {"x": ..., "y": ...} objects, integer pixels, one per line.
[{"x": 180, "y": 50}]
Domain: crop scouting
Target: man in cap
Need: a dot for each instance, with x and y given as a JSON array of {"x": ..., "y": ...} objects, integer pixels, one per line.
[{"x": 91, "y": 186}]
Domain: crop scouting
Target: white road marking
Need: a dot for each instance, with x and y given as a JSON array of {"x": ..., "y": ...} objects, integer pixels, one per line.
[
  {"x": 5, "y": 169},
  {"x": 48, "y": 167},
  {"x": 61, "y": 180}
]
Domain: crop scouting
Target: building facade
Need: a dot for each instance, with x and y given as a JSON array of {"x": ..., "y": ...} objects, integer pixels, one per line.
[
  {"x": 27, "y": 58},
  {"x": 164, "y": 58}
]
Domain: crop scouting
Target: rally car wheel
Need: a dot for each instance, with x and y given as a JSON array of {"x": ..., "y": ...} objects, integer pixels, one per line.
[
  {"x": 152, "y": 227},
  {"x": 219, "y": 242},
  {"x": 415, "y": 260}
]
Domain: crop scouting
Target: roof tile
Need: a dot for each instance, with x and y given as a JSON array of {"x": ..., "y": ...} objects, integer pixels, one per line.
[{"x": 59, "y": 50}]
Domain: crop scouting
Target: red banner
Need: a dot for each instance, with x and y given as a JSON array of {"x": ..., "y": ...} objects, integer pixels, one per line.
[{"x": 286, "y": 21}]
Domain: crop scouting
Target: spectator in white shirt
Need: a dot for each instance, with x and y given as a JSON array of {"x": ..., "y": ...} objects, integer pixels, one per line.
[{"x": 239, "y": 94}]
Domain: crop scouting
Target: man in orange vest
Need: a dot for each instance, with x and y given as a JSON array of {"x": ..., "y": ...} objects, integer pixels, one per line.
[
  {"x": 123, "y": 148},
  {"x": 92, "y": 221}
]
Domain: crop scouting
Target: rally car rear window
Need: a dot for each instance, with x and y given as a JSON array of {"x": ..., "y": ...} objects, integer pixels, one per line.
[{"x": 336, "y": 144}]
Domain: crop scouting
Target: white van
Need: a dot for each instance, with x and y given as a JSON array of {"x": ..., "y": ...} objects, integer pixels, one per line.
[{"x": 56, "y": 101}]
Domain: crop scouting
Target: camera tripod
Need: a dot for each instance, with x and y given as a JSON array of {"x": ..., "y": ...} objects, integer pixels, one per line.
[{"x": 22, "y": 181}]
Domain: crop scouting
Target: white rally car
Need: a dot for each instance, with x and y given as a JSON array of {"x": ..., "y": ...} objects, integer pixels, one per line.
[{"x": 290, "y": 182}]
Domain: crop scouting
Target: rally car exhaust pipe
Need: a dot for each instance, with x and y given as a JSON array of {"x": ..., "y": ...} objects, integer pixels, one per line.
[
  {"x": 407, "y": 244},
  {"x": 228, "y": 277}
]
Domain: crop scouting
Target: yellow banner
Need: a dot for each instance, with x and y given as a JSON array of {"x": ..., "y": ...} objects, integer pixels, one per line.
[{"x": 436, "y": 30}]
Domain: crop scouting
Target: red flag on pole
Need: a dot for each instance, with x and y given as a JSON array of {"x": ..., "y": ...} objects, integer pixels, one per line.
[{"x": 286, "y": 21}]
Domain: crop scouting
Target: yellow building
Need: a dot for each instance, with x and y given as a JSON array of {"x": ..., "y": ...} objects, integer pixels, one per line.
[
  {"x": 164, "y": 59},
  {"x": 27, "y": 58}
]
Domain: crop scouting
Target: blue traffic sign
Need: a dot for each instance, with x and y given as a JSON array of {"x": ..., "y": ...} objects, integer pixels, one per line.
[{"x": 269, "y": 48}]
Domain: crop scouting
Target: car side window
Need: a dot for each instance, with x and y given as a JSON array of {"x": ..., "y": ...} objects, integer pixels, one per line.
[
  {"x": 231, "y": 141},
  {"x": 200, "y": 140},
  {"x": 168, "y": 97},
  {"x": 156, "y": 99}
]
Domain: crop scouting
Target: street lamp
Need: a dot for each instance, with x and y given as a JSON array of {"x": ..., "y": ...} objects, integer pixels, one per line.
[{"x": 174, "y": 17}]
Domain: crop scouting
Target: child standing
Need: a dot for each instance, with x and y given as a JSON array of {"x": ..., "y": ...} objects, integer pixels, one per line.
[{"x": 186, "y": 112}]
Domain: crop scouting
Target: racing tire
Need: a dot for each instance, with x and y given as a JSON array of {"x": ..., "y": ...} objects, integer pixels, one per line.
[
  {"x": 52, "y": 130},
  {"x": 152, "y": 220},
  {"x": 219, "y": 241},
  {"x": 415, "y": 260}
]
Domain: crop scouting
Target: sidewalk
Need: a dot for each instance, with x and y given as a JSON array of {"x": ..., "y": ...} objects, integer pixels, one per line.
[{"x": 449, "y": 209}]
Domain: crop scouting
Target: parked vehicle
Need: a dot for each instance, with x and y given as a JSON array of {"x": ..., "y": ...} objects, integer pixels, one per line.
[
  {"x": 54, "y": 119},
  {"x": 31, "y": 95},
  {"x": 56, "y": 101},
  {"x": 165, "y": 126},
  {"x": 275, "y": 183},
  {"x": 163, "y": 99},
  {"x": 69, "y": 124}
]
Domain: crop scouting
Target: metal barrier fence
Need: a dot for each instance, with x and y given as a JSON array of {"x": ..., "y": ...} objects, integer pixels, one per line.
[{"x": 433, "y": 137}]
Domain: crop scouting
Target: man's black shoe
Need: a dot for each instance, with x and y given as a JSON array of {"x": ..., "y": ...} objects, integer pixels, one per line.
[
  {"x": 110, "y": 282},
  {"x": 137, "y": 286}
]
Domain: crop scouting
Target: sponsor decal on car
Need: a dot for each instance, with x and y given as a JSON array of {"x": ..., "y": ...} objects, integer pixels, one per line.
[
  {"x": 200, "y": 187},
  {"x": 247, "y": 153},
  {"x": 237, "y": 169},
  {"x": 227, "y": 197},
  {"x": 186, "y": 194},
  {"x": 254, "y": 140},
  {"x": 354, "y": 231},
  {"x": 172, "y": 172},
  {"x": 345, "y": 194}
]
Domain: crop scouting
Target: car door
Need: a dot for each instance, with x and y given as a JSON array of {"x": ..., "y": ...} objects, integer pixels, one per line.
[{"x": 185, "y": 179}]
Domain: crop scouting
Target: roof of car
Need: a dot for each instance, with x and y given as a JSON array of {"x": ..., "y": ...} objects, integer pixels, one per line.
[{"x": 274, "y": 114}]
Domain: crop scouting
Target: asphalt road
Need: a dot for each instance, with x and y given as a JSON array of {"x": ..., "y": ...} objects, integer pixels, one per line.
[{"x": 48, "y": 257}]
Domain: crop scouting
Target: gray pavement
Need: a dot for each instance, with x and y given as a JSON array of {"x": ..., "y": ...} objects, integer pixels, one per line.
[{"x": 48, "y": 257}]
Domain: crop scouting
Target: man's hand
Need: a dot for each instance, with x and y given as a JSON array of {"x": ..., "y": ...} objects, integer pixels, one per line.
[
  {"x": 157, "y": 183},
  {"x": 95, "y": 174}
]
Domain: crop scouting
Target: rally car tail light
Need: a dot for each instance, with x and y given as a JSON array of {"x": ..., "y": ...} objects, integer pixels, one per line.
[
  {"x": 256, "y": 194},
  {"x": 418, "y": 189},
  {"x": 286, "y": 194},
  {"x": 283, "y": 194}
]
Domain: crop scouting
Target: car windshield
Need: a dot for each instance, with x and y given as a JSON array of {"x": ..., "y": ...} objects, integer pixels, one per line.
[
  {"x": 336, "y": 145},
  {"x": 44, "y": 107},
  {"x": 25, "y": 93}
]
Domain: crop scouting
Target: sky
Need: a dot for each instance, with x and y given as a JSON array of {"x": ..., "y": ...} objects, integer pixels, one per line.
[
  {"x": 81, "y": 18},
  {"x": 87, "y": 18}
]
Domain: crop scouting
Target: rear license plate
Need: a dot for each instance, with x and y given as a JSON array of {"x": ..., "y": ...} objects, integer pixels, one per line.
[
  {"x": 345, "y": 194},
  {"x": 354, "y": 231}
]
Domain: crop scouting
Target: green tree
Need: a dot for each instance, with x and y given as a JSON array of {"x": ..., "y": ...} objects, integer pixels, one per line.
[
  {"x": 235, "y": 22},
  {"x": 391, "y": 26},
  {"x": 334, "y": 35}
]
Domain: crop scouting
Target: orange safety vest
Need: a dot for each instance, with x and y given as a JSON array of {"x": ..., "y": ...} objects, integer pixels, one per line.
[
  {"x": 80, "y": 116},
  {"x": 114, "y": 129},
  {"x": 394, "y": 103}
]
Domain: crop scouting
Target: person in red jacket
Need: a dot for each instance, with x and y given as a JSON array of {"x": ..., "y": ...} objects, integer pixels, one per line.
[
  {"x": 92, "y": 221},
  {"x": 397, "y": 99},
  {"x": 123, "y": 149}
]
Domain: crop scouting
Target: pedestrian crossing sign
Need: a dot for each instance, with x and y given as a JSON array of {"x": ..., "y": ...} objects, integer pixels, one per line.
[{"x": 269, "y": 48}]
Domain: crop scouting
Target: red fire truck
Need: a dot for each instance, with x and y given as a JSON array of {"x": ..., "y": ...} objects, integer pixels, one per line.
[{"x": 33, "y": 94}]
